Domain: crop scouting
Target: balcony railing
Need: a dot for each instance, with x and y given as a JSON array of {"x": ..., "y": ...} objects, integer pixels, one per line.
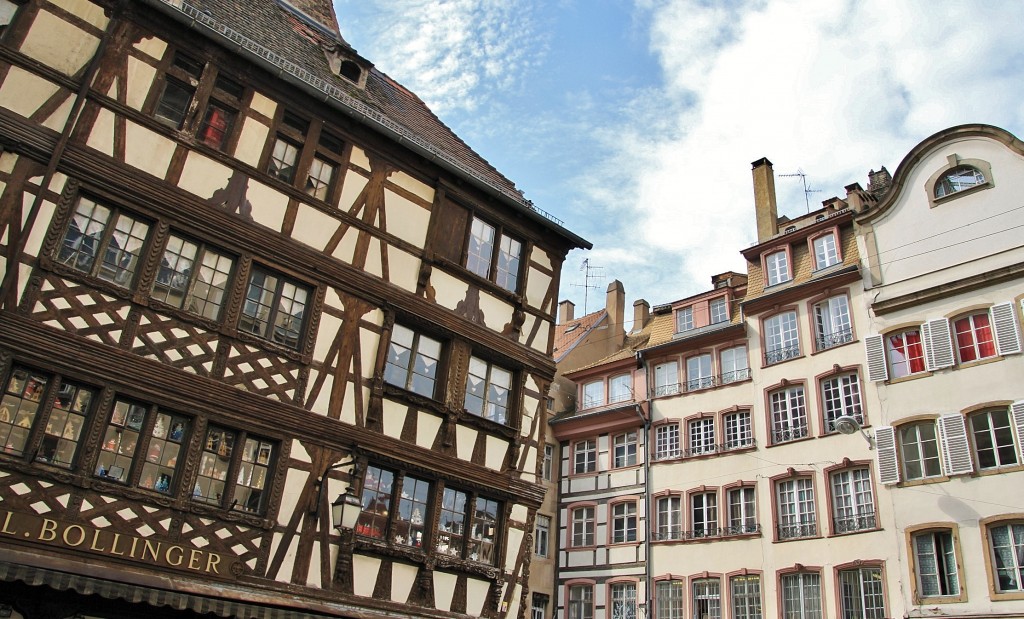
[
  {"x": 836, "y": 338},
  {"x": 703, "y": 450},
  {"x": 710, "y": 532},
  {"x": 741, "y": 529},
  {"x": 734, "y": 376},
  {"x": 848, "y": 524},
  {"x": 782, "y": 435},
  {"x": 778, "y": 355},
  {"x": 796, "y": 531},
  {"x": 668, "y": 454},
  {"x": 671, "y": 389},
  {"x": 700, "y": 383},
  {"x": 739, "y": 443}
]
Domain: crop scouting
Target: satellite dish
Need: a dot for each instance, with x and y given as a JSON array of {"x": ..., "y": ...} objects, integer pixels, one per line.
[{"x": 847, "y": 425}]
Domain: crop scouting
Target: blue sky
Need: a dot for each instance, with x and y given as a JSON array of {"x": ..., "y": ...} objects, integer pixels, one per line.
[{"x": 635, "y": 121}]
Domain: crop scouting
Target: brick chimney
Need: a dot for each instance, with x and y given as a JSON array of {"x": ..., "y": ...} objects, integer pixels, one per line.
[
  {"x": 764, "y": 200},
  {"x": 879, "y": 182},
  {"x": 566, "y": 311},
  {"x": 616, "y": 308},
  {"x": 641, "y": 314}
]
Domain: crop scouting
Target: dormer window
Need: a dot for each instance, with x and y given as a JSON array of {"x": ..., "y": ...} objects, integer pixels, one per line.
[
  {"x": 960, "y": 176},
  {"x": 350, "y": 71},
  {"x": 719, "y": 310},
  {"x": 958, "y": 179},
  {"x": 826, "y": 252},
  {"x": 777, "y": 267},
  {"x": 684, "y": 319}
]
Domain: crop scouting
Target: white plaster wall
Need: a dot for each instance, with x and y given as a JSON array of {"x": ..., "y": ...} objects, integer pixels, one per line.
[
  {"x": 23, "y": 92},
  {"x": 913, "y": 234},
  {"x": 406, "y": 220},
  {"x": 147, "y": 151},
  {"x": 364, "y": 574},
  {"x": 60, "y": 44}
]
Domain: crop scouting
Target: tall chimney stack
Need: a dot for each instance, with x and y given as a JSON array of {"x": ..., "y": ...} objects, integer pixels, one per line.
[
  {"x": 764, "y": 200},
  {"x": 616, "y": 308},
  {"x": 566, "y": 311},
  {"x": 641, "y": 314}
]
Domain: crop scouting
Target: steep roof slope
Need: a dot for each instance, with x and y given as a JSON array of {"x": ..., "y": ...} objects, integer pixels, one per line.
[{"x": 292, "y": 38}]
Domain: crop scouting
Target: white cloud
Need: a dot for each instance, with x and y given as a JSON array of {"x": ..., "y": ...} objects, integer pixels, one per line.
[
  {"x": 657, "y": 173},
  {"x": 834, "y": 89},
  {"x": 454, "y": 54}
]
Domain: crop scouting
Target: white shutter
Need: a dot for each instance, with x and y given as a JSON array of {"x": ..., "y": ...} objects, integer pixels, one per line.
[
  {"x": 874, "y": 345},
  {"x": 1017, "y": 412},
  {"x": 938, "y": 344},
  {"x": 885, "y": 444},
  {"x": 1004, "y": 319},
  {"x": 956, "y": 453}
]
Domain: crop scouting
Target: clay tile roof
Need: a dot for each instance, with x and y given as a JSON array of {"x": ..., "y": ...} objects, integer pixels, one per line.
[
  {"x": 568, "y": 334},
  {"x": 633, "y": 343},
  {"x": 297, "y": 31}
]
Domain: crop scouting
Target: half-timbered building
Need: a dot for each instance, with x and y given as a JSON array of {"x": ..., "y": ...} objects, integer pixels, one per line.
[{"x": 245, "y": 273}]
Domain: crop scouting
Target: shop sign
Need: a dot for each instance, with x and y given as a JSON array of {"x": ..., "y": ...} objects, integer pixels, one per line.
[{"x": 40, "y": 530}]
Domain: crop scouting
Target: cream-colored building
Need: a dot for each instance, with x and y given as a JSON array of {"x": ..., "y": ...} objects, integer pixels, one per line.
[
  {"x": 839, "y": 432},
  {"x": 943, "y": 264}
]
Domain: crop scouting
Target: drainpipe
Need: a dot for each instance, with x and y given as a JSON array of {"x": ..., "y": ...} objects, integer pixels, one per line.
[{"x": 647, "y": 491}]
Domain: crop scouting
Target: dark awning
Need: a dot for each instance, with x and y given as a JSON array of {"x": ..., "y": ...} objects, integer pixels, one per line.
[{"x": 85, "y": 585}]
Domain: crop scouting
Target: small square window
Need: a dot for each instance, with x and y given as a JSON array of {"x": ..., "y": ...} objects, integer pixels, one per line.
[
  {"x": 412, "y": 361},
  {"x": 274, "y": 308},
  {"x": 488, "y": 387}
]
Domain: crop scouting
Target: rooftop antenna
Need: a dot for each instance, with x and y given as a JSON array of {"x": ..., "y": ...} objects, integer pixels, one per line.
[
  {"x": 592, "y": 273},
  {"x": 807, "y": 190}
]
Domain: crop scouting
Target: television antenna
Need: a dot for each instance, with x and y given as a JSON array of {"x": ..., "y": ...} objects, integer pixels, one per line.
[
  {"x": 591, "y": 273},
  {"x": 807, "y": 190}
]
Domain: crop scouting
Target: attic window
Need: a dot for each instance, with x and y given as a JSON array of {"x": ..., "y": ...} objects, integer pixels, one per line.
[
  {"x": 573, "y": 328},
  {"x": 350, "y": 71},
  {"x": 820, "y": 217},
  {"x": 790, "y": 229},
  {"x": 958, "y": 179}
]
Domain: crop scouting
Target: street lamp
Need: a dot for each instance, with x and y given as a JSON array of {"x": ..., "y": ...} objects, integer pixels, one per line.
[
  {"x": 345, "y": 510},
  {"x": 848, "y": 424}
]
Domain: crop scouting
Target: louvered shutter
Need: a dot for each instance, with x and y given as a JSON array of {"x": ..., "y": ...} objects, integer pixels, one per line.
[
  {"x": 874, "y": 346},
  {"x": 885, "y": 444},
  {"x": 1004, "y": 318},
  {"x": 938, "y": 344},
  {"x": 1017, "y": 412},
  {"x": 956, "y": 453}
]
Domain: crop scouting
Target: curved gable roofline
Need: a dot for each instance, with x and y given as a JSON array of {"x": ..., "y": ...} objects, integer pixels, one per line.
[{"x": 919, "y": 152}]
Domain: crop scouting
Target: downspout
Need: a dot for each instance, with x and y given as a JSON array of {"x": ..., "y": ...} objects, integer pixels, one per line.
[{"x": 647, "y": 490}]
